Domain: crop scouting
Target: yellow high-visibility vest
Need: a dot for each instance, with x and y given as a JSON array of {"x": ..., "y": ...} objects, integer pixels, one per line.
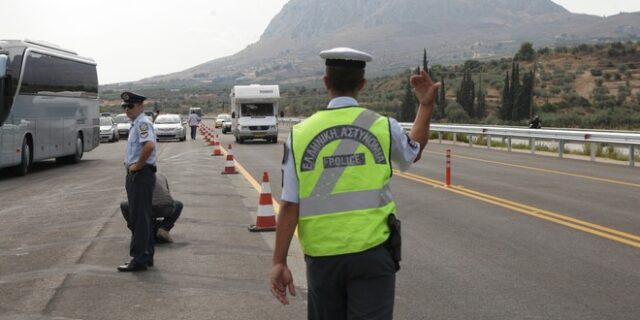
[{"x": 342, "y": 160}]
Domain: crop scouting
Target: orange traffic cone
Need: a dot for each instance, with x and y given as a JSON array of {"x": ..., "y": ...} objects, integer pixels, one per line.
[
  {"x": 265, "y": 220},
  {"x": 229, "y": 167},
  {"x": 216, "y": 149}
]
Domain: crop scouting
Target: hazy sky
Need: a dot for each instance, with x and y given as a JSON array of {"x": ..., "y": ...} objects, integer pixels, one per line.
[{"x": 135, "y": 39}]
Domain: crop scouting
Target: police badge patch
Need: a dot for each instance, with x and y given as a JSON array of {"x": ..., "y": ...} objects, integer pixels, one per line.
[{"x": 144, "y": 130}]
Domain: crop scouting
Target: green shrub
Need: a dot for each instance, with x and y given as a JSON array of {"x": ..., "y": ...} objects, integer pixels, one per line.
[
  {"x": 456, "y": 114},
  {"x": 596, "y": 72},
  {"x": 549, "y": 108}
]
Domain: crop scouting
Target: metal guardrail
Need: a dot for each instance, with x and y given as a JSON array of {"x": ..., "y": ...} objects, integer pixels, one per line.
[{"x": 562, "y": 136}]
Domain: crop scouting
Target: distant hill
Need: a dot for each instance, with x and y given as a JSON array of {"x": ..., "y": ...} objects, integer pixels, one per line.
[{"x": 394, "y": 31}]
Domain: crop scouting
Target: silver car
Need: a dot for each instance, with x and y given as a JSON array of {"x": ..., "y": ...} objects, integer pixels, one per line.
[
  {"x": 170, "y": 126},
  {"x": 108, "y": 129},
  {"x": 124, "y": 124}
]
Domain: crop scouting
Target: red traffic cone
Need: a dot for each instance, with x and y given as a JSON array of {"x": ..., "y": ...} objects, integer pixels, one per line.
[
  {"x": 229, "y": 167},
  {"x": 216, "y": 149},
  {"x": 265, "y": 220}
]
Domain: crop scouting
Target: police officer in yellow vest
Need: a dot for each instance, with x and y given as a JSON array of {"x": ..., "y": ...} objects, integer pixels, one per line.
[{"x": 336, "y": 171}]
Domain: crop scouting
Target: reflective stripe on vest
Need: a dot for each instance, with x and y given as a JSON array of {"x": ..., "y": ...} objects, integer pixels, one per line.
[{"x": 342, "y": 212}]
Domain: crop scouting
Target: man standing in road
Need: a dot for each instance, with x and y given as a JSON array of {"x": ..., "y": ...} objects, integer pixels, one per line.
[
  {"x": 140, "y": 163},
  {"x": 336, "y": 171},
  {"x": 194, "y": 121}
]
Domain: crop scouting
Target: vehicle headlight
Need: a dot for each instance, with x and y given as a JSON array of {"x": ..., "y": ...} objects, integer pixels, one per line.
[{"x": 272, "y": 127}]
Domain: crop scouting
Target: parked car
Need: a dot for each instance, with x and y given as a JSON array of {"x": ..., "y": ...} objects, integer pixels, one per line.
[
  {"x": 226, "y": 126},
  {"x": 221, "y": 118},
  {"x": 170, "y": 126},
  {"x": 124, "y": 124},
  {"x": 108, "y": 129}
]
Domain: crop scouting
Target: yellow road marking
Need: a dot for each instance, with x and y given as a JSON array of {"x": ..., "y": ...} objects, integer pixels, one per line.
[
  {"x": 577, "y": 224},
  {"x": 623, "y": 183},
  {"x": 254, "y": 183}
]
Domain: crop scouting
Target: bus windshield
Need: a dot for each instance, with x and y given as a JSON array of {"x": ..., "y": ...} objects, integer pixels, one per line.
[
  {"x": 256, "y": 109},
  {"x": 3, "y": 73}
]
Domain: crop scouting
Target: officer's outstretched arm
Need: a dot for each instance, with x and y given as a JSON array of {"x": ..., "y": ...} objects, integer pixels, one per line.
[
  {"x": 426, "y": 92},
  {"x": 281, "y": 278}
]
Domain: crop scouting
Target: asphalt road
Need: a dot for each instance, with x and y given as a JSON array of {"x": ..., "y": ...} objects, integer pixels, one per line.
[{"x": 516, "y": 236}]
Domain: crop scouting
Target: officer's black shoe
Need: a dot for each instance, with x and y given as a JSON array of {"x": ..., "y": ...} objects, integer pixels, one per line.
[
  {"x": 149, "y": 263},
  {"x": 133, "y": 267}
]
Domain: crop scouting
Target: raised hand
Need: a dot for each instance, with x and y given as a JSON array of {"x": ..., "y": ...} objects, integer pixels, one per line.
[{"x": 426, "y": 90}]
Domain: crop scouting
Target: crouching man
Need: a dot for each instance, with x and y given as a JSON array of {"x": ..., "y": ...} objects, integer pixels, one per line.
[{"x": 163, "y": 206}]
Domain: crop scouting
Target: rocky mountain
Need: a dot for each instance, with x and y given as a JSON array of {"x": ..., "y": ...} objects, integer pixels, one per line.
[{"x": 396, "y": 31}]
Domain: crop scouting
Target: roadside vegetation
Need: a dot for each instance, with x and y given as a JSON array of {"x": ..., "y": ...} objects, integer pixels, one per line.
[{"x": 587, "y": 86}]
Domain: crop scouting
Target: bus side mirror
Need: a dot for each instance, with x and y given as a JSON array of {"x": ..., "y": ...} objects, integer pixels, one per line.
[
  {"x": 3, "y": 65},
  {"x": 233, "y": 115}
]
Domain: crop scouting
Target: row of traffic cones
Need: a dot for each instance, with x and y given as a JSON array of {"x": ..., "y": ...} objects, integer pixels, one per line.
[{"x": 266, "y": 219}]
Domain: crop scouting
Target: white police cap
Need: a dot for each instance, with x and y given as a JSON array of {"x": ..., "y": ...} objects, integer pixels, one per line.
[{"x": 345, "y": 57}]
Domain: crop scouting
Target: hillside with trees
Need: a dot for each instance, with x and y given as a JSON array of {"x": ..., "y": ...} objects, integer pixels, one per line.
[{"x": 586, "y": 86}]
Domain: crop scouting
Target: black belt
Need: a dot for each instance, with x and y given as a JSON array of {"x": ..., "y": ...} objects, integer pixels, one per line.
[{"x": 151, "y": 167}]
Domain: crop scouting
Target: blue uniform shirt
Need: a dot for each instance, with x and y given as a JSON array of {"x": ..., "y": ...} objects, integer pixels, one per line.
[
  {"x": 403, "y": 152},
  {"x": 141, "y": 131}
]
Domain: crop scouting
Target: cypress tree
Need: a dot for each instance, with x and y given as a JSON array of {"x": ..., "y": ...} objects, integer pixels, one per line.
[
  {"x": 407, "y": 112},
  {"x": 523, "y": 100},
  {"x": 442, "y": 100},
  {"x": 466, "y": 94},
  {"x": 507, "y": 103},
  {"x": 481, "y": 108},
  {"x": 515, "y": 84},
  {"x": 425, "y": 62}
]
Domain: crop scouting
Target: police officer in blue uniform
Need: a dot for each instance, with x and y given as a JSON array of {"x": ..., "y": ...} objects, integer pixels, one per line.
[{"x": 140, "y": 164}]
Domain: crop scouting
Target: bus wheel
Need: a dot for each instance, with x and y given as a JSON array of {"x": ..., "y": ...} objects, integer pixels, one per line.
[
  {"x": 25, "y": 159},
  {"x": 74, "y": 158}
]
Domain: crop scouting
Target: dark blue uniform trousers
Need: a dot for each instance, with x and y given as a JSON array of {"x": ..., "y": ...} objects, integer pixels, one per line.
[
  {"x": 169, "y": 215},
  {"x": 140, "y": 185},
  {"x": 352, "y": 286}
]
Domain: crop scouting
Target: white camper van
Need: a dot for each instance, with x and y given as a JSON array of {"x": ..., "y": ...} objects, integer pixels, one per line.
[{"x": 254, "y": 110}]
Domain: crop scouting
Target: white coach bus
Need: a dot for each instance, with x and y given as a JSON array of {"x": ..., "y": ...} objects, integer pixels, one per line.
[{"x": 48, "y": 104}]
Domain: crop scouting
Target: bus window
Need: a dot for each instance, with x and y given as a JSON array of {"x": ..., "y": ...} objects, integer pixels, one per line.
[{"x": 48, "y": 75}]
